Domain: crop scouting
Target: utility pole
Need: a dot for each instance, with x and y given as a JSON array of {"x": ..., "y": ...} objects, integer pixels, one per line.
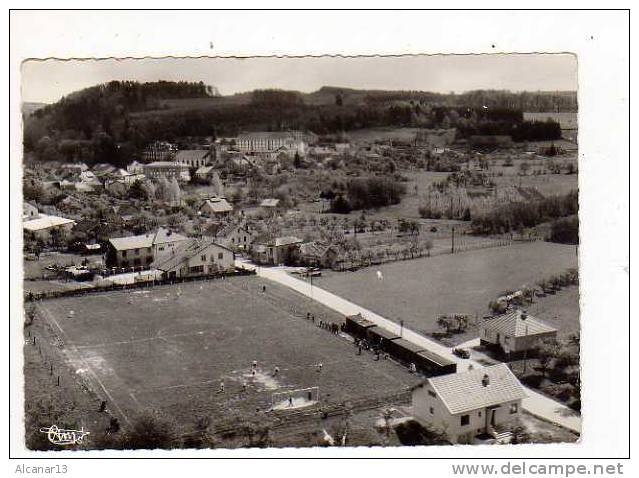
[
  {"x": 452, "y": 244},
  {"x": 525, "y": 348},
  {"x": 401, "y": 327}
]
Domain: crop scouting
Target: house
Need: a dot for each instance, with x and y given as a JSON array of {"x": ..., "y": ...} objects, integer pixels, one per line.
[
  {"x": 208, "y": 174},
  {"x": 127, "y": 177},
  {"x": 317, "y": 254},
  {"x": 139, "y": 251},
  {"x": 167, "y": 170},
  {"x": 29, "y": 211},
  {"x": 44, "y": 225},
  {"x": 282, "y": 250},
  {"x": 193, "y": 158},
  {"x": 482, "y": 401},
  {"x": 514, "y": 332},
  {"x": 216, "y": 207},
  {"x": 192, "y": 258},
  {"x": 270, "y": 206},
  {"x": 237, "y": 237}
]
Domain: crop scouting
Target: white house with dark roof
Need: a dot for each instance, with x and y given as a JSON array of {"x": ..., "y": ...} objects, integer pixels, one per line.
[
  {"x": 192, "y": 258},
  {"x": 482, "y": 401},
  {"x": 515, "y": 332}
]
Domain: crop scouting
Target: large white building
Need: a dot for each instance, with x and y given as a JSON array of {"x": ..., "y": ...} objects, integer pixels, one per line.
[
  {"x": 40, "y": 226},
  {"x": 482, "y": 401},
  {"x": 194, "y": 257},
  {"x": 265, "y": 142}
]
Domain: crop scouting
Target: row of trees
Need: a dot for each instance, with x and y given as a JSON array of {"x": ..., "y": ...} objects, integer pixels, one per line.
[
  {"x": 520, "y": 215},
  {"x": 526, "y": 295},
  {"x": 130, "y": 115},
  {"x": 519, "y": 131}
]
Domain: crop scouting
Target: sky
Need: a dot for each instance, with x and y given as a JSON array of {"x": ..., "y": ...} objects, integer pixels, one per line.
[{"x": 46, "y": 81}]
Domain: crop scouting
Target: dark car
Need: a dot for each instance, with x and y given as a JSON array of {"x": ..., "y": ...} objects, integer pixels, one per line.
[{"x": 462, "y": 353}]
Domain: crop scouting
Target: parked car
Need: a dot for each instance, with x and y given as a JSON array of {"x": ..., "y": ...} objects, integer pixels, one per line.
[{"x": 462, "y": 353}]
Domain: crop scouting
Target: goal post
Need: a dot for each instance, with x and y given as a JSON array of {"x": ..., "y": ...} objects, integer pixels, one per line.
[{"x": 297, "y": 398}]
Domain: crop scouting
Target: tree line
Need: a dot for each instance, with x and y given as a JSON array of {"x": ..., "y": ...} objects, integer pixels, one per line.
[{"x": 519, "y": 215}]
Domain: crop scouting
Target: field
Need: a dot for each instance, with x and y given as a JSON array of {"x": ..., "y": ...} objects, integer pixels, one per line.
[
  {"x": 151, "y": 349},
  {"x": 561, "y": 310},
  {"x": 416, "y": 291}
]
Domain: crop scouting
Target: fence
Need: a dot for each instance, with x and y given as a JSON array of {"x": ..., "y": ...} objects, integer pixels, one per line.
[
  {"x": 343, "y": 265},
  {"x": 31, "y": 296}
]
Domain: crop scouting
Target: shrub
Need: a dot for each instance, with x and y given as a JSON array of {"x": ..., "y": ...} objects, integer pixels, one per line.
[
  {"x": 412, "y": 433},
  {"x": 340, "y": 205},
  {"x": 149, "y": 432},
  {"x": 371, "y": 193},
  {"x": 565, "y": 231}
]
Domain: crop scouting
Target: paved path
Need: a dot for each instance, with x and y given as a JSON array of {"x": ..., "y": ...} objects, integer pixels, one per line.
[{"x": 536, "y": 404}]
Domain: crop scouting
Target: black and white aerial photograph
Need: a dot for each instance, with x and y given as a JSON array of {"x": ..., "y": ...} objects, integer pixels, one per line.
[
  {"x": 286, "y": 252},
  {"x": 233, "y": 263}
]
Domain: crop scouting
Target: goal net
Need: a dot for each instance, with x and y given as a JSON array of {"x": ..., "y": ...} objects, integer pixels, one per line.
[{"x": 292, "y": 399}]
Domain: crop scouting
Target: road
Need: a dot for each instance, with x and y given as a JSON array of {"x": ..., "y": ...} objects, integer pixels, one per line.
[{"x": 535, "y": 404}]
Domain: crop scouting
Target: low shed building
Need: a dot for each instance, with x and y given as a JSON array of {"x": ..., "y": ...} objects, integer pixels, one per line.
[
  {"x": 515, "y": 332},
  {"x": 381, "y": 337},
  {"x": 404, "y": 350},
  {"x": 433, "y": 364}
]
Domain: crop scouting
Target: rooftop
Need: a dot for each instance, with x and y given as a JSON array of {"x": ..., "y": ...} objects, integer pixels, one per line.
[
  {"x": 271, "y": 202},
  {"x": 166, "y": 164},
  {"x": 517, "y": 323},
  {"x": 266, "y": 135},
  {"x": 218, "y": 205},
  {"x": 181, "y": 252},
  {"x": 204, "y": 169},
  {"x": 190, "y": 154},
  {"x": 161, "y": 236},
  {"x": 287, "y": 240},
  {"x": 45, "y": 221},
  {"x": 478, "y": 388}
]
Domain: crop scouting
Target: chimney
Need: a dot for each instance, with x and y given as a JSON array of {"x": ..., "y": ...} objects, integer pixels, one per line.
[
  {"x": 523, "y": 314},
  {"x": 485, "y": 380}
]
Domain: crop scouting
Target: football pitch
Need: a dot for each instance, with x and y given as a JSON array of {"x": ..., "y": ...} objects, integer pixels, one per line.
[{"x": 174, "y": 348}]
